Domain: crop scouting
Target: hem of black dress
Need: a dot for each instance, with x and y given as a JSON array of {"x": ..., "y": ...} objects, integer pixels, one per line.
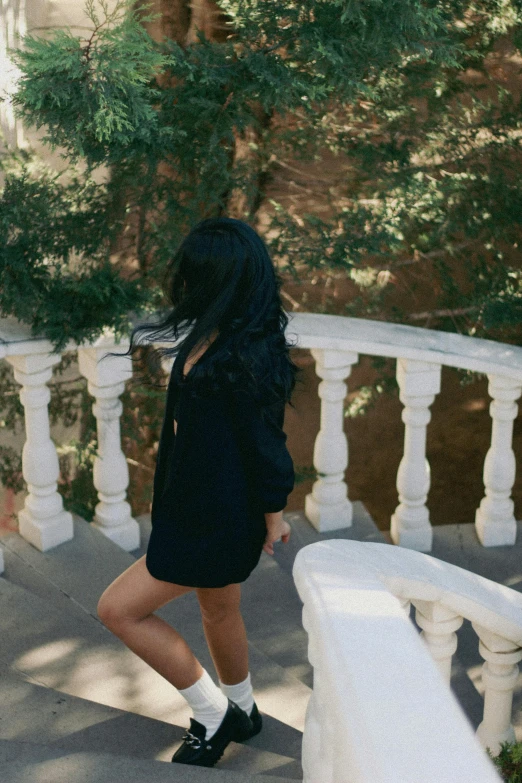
[{"x": 184, "y": 584}]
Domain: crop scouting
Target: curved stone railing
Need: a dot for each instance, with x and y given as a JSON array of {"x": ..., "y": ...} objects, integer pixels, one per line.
[
  {"x": 335, "y": 343},
  {"x": 381, "y": 710}
]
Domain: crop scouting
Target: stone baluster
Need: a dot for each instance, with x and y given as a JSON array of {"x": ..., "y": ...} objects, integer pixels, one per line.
[
  {"x": 327, "y": 506},
  {"x": 419, "y": 382},
  {"x": 438, "y": 625},
  {"x": 43, "y": 521},
  {"x": 500, "y": 673},
  {"x": 106, "y": 381},
  {"x": 494, "y": 520}
]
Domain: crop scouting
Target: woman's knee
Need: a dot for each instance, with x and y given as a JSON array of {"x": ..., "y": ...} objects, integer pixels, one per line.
[
  {"x": 110, "y": 611},
  {"x": 134, "y": 595},
  {"x": 114, "y": 611},
  {"x": 219, "y": 604}
]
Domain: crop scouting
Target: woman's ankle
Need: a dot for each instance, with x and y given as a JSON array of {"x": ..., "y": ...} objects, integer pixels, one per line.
[
  {"x": 209, "y": 704},
  {"x": 241, "y": 693}
]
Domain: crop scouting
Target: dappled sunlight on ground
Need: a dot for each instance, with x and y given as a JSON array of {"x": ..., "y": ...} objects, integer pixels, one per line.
[
  {"x": 113, "y": 677},
  {"x": 47, "y": 654}
]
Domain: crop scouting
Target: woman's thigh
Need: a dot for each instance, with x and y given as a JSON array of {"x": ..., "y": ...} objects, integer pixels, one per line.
[
  {"x": 135, "y": 594},
  {"x": 217, "y": 603}
]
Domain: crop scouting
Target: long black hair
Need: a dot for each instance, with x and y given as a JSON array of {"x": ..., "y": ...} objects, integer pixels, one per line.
[{"x": 222, "y": 279}]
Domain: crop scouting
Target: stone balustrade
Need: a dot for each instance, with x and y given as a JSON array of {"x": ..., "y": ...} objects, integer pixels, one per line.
[
  {"x": 381, "y": 709},
  {"x": 43, "y": 521},
  {"x": 336, "y": 343}
]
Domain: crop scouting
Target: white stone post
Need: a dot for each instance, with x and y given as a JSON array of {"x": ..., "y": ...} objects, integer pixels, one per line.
[
  {"x": 327, "y": 506},
  {"x": 494, "y": 520},
  {"x": 43, "y": 521},
  {"x": 500, "y": 673},
  {"x": 419, "y": 382},
  {"x": 438, "y": 625},
  {"x": 106, "y": 381},
  {"x": 318, "y": 742}
]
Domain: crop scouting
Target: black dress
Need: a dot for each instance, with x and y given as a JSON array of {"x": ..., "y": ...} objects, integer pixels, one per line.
[{"x": 226, "y": 466}]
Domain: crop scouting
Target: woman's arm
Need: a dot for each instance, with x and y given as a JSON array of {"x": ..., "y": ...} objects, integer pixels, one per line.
[
  {"x": 264, "y": 448},
  {"x": 276, "y": 528}
]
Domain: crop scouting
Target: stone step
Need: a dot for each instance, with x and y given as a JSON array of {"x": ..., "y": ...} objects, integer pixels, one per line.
[
  {"x": 23, "y": 762},
  {"x": 77, "y": 655},
  {"x": 83, "y": 659},
  {"x": 55, "y": 579},
  {"x": 35, "y": 713},
  {"x": 65, "y": 656}
]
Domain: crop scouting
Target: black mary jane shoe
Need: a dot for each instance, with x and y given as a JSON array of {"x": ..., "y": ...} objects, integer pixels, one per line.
[
  {"x": 257, "y": 725},
  {"x": 198, "y": 751}
]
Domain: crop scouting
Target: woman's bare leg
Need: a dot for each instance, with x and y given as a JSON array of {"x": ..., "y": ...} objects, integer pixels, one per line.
[
  {"x": 225, "y": 631},
  {"x": 126, "y": 608}
]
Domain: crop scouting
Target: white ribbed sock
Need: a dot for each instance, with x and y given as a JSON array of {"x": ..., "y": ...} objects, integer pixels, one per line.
[
  {"x": 208, "y": 703},
  {"x": 241, "y": 693}
]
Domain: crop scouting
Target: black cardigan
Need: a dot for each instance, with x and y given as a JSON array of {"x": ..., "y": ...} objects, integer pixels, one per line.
[
  {"x": 225, "y": 455},
  {"x": 215, "y": 480}
]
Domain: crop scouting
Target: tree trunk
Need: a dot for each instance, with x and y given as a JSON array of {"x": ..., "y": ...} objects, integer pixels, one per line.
[
  {"x": 207, "y": 17},
  {"x": 173, "y": 23}
]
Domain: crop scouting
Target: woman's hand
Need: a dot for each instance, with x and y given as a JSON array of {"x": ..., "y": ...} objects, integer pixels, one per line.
[{"x": 276, "y": 528}]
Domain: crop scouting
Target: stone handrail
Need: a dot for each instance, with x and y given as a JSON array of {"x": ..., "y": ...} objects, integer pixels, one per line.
[
  {"x": 381, "y": 710},
  {"x": 335, "y": 343}
]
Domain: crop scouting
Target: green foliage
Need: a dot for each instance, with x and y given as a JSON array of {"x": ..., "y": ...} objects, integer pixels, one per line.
[
  {"x": 304, "y": 473},
  {"x": 350, "y": 78},
  {"x": 432, "y": 181},
  {"x": 94, "y": 96},
  {"x": 54, "y": 256},
  {"x": 11, "y": 419},
  {"x": 509, "y": 761}
]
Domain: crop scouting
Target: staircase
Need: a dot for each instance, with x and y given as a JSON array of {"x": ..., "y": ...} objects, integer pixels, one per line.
[{"x": 77, "y": 705}]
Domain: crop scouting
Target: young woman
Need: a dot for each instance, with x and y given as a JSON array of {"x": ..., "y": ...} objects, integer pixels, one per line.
[{"x": 222, "y": 478}]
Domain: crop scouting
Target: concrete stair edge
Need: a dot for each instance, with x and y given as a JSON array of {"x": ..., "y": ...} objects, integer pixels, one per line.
[
  {"x": 50, "y": 703},
  {"x": 38, "y": 763},
  {"x": 281, "y": 697}
]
